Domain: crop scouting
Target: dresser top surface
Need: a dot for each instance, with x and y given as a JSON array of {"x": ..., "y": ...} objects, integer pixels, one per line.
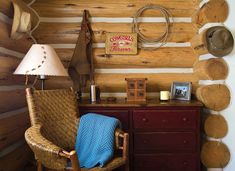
[{"x": 149, "y": 103}]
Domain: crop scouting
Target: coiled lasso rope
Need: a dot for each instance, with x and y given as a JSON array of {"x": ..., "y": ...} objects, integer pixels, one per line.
[{"x": 142, "y": 39}]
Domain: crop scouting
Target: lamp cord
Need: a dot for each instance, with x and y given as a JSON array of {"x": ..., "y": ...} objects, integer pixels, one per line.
[{"x": 141, "y": 37}]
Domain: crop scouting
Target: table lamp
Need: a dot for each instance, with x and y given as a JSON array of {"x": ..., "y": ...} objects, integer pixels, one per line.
[{"x": 41, "y": 60}]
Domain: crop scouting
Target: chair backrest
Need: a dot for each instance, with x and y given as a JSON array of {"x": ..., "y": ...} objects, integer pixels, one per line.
[{"x": 57, "y": 112}]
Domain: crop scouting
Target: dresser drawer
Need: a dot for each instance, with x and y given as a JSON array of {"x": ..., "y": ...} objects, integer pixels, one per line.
[
  {"x": 122, "y": 115},
  {"x": 165, "y": 119},
  {"x": 155, "y": 142},
  {"x": 162, "y": 162}
]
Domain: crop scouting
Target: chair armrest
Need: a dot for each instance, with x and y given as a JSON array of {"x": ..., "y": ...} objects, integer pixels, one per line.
[
  {"x": 45, "y": 151},
  {"x": 124, "y": 145}
]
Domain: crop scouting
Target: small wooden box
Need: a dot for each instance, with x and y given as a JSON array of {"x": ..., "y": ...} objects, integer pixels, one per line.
[{"x": 136, "y": 89}]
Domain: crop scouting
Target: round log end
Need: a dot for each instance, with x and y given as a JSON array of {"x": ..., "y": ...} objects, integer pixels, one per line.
[
  {"x": 215, "y": 154},
  {"x": 215, "y": 97},
  {"x": 216, "y": 126},
  {"x": 212, "y": 69},
  {"x": 211, "y": 12}
]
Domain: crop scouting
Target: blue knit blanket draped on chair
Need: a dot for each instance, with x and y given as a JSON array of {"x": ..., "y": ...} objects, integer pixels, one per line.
[{"x": 95, "y": 139}]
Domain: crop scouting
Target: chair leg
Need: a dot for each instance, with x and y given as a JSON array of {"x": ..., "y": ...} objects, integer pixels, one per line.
[{"x": 40, "y": 166}]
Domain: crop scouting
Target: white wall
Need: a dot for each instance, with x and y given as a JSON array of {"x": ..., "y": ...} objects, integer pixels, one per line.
[{"x": 229, "y": 113}]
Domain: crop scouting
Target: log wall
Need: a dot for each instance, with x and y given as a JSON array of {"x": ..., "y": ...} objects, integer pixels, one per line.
[
  {"x": 60, "y": 26},
  {"x": 61, "y": 23},
  {"x": 14, "y": 120}
]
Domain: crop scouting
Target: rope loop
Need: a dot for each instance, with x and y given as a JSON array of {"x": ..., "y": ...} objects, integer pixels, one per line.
[{"x": 141, "y": 37}]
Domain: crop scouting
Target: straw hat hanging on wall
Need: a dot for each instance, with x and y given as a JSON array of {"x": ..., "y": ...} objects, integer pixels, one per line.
[{"x": 24, "y": 19}]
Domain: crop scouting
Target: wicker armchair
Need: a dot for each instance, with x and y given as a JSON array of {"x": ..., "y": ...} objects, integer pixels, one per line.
[{"x": 52, "y": 136}]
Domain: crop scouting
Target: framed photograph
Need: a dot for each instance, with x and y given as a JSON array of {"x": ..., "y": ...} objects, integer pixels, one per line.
[{"x": 181, "y": 90}]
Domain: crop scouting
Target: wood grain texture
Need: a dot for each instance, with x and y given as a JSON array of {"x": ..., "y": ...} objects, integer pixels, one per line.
[
  {"x": 6, "y": 8},
  {"x": 214, "y": 11},
  {"x": 56, "y": 83},
  {"x": 21, "y": 45},
  {"x": 12, "y": 128},
  {"x": 17, "y": 159},
  {"x": 168, "y": 57},
  {"x": 12, "y": 99},
  {"x": 155, "y": 82},
  {"x": 104, "y": 8},
  {"x": 27, "y": 1},
  {"x": 8, "y": 65},
  {"x": 116, "y": 82},
  {"x": 68, "y": 32},
  {"x": 211, "y": 69}
]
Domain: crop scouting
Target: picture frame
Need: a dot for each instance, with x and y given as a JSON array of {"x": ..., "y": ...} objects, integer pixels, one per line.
[{"x": 181, "y": 90}]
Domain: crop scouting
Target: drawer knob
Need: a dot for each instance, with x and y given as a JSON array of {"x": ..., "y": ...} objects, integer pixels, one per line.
[
  {"x": 185, "y": 119},
  {"x": 185, "y": 163},
  {"x": 144, "y": 119},
  {"x": 185, "y": 141}
]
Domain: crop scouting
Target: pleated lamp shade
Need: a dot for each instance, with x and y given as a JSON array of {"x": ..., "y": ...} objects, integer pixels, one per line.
[{"x": 41, "y": 60}]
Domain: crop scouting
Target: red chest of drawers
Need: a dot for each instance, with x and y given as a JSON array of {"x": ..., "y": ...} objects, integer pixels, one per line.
[{"x": 163, "y": 136}]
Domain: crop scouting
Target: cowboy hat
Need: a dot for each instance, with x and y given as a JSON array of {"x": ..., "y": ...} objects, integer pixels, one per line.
[
  {"x": 21, "y": 21},
  {"x": 219, "y": 41}
]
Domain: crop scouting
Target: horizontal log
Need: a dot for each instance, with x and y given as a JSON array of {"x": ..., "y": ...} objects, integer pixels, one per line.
[
  {"x": 155, "y": 82},
  {"x": 12, "y": 99},
  {"x": 105, "y": 8},
  {"x": 117, "y": 83},
  {"x": 8, "y": 65},
  {"x": 56, "y": 83},
  {"x": 12, "y": 128},
  {"x": 6, "y": 8},
  {"x": 68, "y": 32},
  {"x": 168, "y": 57},
  {"x": 27, "y": 1},
  {"x": 17, "y": 159},
  {"x": 21, "y": 45}
]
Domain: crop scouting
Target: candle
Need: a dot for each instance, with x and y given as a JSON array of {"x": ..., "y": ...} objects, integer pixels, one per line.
[
  {"x": 164, "y": 95},
  {"x": 93, "y": 93}
]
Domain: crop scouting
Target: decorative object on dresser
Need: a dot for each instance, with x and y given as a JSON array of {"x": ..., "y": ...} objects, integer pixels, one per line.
[
  {"x": 121, "y": 43},
  {"x": 41, "y": 60},
  {"x": 136, "y": 89},
  {"x": 181, "y": 90},
  {"x": 164, "y": 95},
  {"x": 163, "y": 136}
]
